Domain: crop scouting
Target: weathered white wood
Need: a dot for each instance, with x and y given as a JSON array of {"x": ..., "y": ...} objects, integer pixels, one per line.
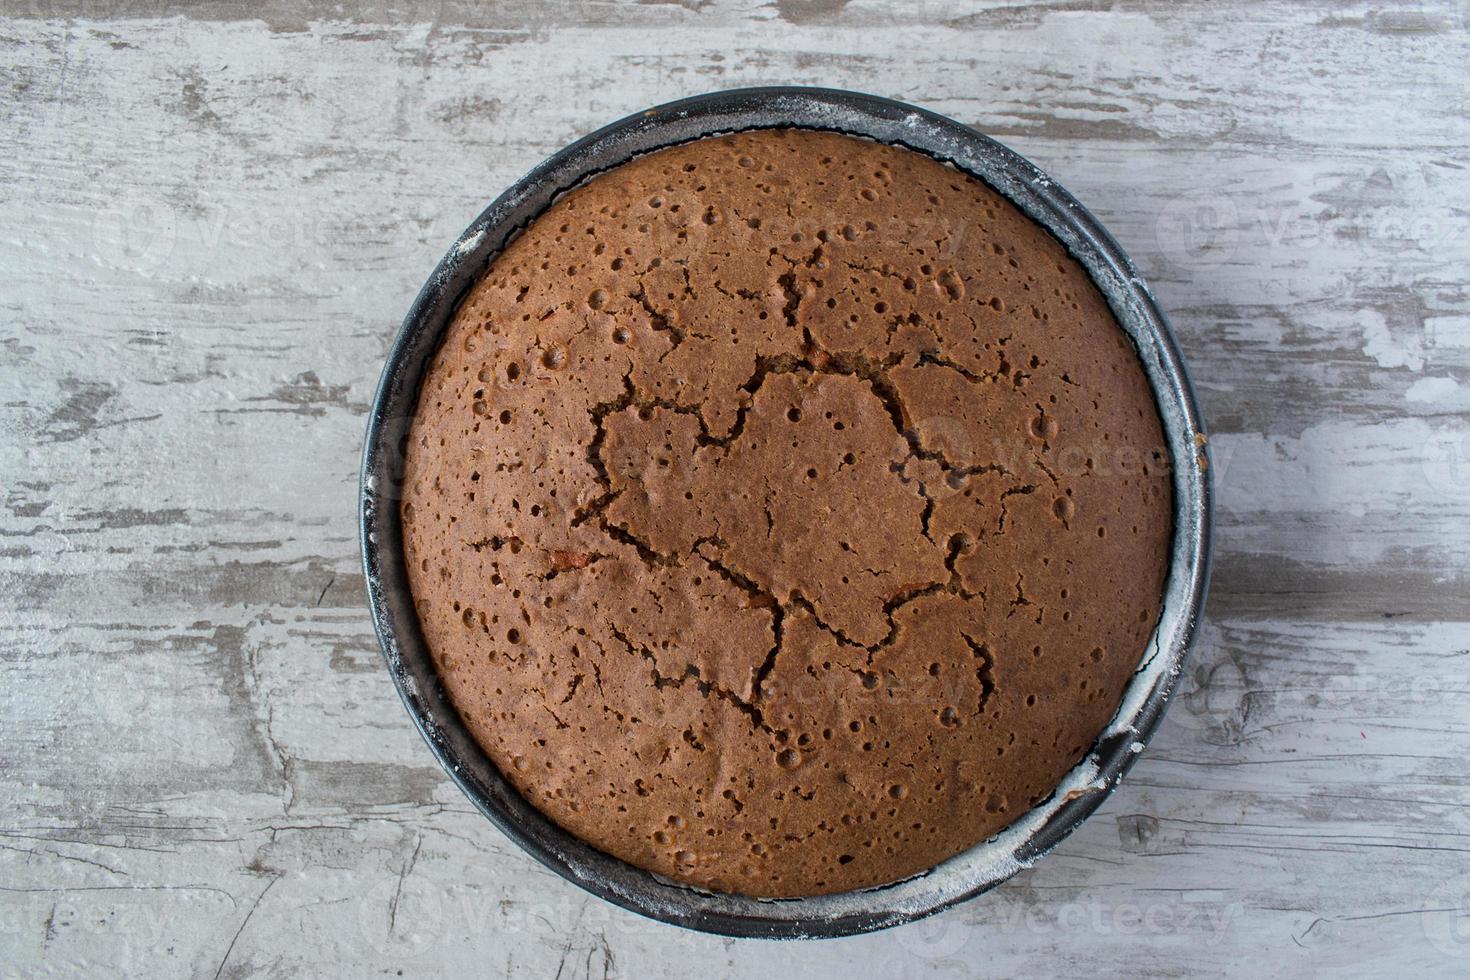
[{"x": 210, "y": 225}]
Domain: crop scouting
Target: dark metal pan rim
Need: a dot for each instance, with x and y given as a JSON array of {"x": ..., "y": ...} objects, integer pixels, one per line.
[{"x": 981, "y": 867}]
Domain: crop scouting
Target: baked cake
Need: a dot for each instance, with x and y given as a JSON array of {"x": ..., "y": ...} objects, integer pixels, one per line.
[{"x": 785, "y": 512}]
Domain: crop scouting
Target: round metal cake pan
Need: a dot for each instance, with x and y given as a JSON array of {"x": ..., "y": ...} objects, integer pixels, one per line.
[{"x": 966, "y": 875}]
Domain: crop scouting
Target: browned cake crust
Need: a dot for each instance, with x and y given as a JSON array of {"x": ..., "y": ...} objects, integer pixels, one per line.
[{"x": 785, "y": 512}]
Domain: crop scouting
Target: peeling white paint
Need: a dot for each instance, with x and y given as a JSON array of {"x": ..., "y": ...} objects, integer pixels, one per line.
[
  {"x": 1432, "y": 390},
  {"x": 1389, "y": 351}
]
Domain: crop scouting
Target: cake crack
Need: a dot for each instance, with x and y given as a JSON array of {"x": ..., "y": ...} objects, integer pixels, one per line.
[
  {"x": 985, "y": 672},
  {"x": 691, "y": 672}
]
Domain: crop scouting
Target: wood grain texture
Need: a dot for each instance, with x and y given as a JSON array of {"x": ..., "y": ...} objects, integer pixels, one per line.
[{"x": 213, "y": 217}]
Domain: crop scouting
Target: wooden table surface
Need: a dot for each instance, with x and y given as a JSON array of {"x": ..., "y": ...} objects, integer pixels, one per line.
[{"x": 213, "y": 217}]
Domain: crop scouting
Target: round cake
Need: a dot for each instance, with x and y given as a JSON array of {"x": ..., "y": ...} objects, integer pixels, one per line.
[{"x": 785, "y": 512}]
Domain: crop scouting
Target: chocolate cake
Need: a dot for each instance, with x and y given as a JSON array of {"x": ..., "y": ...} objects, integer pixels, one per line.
[{"x": 785, "y": 512}]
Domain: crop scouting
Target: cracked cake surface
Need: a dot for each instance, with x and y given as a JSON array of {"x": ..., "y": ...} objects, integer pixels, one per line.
[{"x": 785, "y": 512}]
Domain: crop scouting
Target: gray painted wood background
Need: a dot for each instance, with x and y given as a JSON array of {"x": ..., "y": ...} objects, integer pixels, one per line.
[{"x": 212, "y": 218}]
